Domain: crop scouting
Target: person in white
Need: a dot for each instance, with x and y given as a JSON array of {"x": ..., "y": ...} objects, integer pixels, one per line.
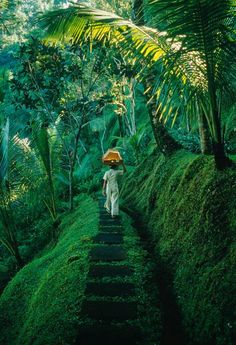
[{"x": 111, "y": 189}]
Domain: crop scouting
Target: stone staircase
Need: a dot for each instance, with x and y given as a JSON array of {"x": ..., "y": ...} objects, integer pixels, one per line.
[{"x": 110, "y": 308}]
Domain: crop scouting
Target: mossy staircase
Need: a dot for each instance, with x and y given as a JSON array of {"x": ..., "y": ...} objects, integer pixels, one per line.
[{"x": 110, "y": 307}]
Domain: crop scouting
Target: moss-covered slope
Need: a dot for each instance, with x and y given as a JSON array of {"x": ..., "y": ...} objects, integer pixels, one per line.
[
  {"x": 189, "y": 209},
  {"x": 41, "y": 304}
]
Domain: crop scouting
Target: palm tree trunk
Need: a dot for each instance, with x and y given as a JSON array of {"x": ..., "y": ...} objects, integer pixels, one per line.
[
  {"x": 205, "y": 141},
  {"x": 221, "y": 160},
  {"x": 19, "y": 260},
  {"x": 71, "y": 186},
  {"x": 120, "y": 122},
  {"x": 73, "y": 161},
  {"x": 165, "y": 143}
]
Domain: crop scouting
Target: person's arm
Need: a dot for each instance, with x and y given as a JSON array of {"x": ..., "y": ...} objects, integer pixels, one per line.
[
  {"x": 124, "y": 167},
  {"x": 104, "y": 187},
  {"x": 121, "y": 172}
]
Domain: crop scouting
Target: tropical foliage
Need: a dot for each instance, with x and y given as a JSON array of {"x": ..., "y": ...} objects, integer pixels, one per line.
[
  {"x": 154, "y": 79},
  {"x": 193, "y": 46}
]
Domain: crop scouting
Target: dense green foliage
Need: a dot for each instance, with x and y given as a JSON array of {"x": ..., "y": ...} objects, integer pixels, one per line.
[
  {"x": 45, "y": 296},
  {"x": 191, "y": 63},
  {"x": 161, "y": 89},
  {"x": 189, "y": 210}
]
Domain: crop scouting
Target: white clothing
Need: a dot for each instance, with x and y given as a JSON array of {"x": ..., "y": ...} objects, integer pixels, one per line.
[{"x": 112, "y": 191}]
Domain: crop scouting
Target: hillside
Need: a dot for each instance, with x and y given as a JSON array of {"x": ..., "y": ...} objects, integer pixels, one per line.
[{"x": 188, "y": 209}]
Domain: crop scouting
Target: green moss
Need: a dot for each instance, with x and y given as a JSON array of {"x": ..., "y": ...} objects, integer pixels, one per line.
[
  {"x": 41, "y": 304},
  {"x": 189, "y": 209}
]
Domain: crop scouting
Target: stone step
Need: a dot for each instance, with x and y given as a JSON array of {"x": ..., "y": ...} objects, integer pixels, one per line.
[
  {"x": 109, "y": 310},
  {"x": 110, "y": 222},
  {"x": 107, "y": 216},
  {"x": 104, "y": 214},
  {"x": 112, "y": 229},
  {"x": 108, "y": 253},
  {"x": 109, "y": 238},
  {"x": 101, "y": 271},
  {"x": 110, "y": 289},
  {"x": 106, "y": 334}
]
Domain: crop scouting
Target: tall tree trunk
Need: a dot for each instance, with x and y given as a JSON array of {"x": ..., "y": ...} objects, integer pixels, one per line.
[
  {"x": 71, "y": 185},
  {"x": 19, "y": 260},
  {"x": 120, "y": 122},
  {"x": 221, "y": 160},
  {"x": 73, "y": 161},
  {"x": 204, "y": 133},
  {"x": 165, "y": 142},
  {"x": 132, "y": 106}
]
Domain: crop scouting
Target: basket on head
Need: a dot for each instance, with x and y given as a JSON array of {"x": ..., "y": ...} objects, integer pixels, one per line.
[{"x": 112, "y": 157}]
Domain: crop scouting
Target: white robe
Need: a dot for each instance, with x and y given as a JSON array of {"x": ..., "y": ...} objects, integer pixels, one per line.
[{"x": 112, "y": 191}]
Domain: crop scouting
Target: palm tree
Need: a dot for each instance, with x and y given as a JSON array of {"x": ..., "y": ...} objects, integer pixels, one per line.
[
  {"x": 204, "y": 31},
  {"x": 8, "y": 233},
  {"x": 164, "y": 141},
  {"x": 193, "y": 54},
  {"x": 42, "y": 142}
]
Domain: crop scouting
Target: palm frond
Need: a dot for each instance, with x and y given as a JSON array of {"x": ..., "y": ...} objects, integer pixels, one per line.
[
  {"x": 205, "y": 30},
  {"x": 206, "y": 46},
  {"x": 4, "y": 152},
  {"x": 42, "y": 141},
  {"x": 4, "y": 4},
  {"x": 196, "y": 54},
  {"x": 80, "y": 23}
]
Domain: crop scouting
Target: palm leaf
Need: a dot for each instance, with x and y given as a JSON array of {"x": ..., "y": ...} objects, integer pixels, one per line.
[
  {"x": 205, "y": 28},
  {"x": 204, "y": 31},
  {"x": 4, "y": 4},
  {"x": 195, "y": 54},
  {"x": 80, "y": 23},
  {"x": 4, "y": 152},
  {"x": 43, "y": 146}
]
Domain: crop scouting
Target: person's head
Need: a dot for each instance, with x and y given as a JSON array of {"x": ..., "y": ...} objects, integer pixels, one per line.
[{"x": 112, "y": 166}]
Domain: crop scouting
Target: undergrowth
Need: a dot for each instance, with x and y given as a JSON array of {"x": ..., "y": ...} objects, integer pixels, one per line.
[
  {"x": 41, "y": 304},
  {"x": 189, "y": 210}
]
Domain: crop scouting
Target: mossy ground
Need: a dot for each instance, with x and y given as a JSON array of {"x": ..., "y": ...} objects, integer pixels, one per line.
[
  {"x": 189, "y": 210},
  {"x": 41, "y": 304}
]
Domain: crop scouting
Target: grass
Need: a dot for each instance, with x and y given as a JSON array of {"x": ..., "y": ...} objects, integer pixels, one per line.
[
  {"x": 41, "y": 304},
  {"x": 190, "y": 211}
]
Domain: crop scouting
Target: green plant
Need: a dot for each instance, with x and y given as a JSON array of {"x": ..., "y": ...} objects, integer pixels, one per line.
[
  {"x": 8, "y": 233},
  {"x": 193, "y": 54}
]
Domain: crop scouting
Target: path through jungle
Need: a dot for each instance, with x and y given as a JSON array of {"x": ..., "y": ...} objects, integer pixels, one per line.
[{"x": 112, "y": 308}]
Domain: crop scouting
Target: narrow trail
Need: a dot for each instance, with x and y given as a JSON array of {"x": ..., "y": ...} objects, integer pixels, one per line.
[{"x": 111, "y": 305}]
